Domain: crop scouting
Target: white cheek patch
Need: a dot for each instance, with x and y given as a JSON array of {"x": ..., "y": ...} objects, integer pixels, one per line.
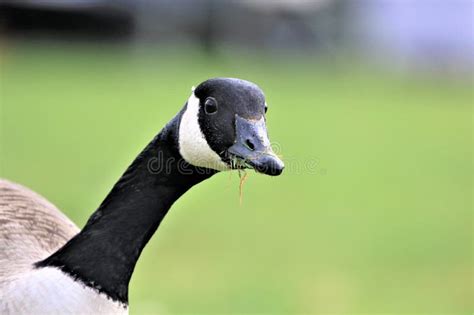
[{"x": 193, "y": 146}]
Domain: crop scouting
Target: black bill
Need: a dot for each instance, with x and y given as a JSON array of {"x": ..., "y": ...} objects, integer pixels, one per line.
[{"x": 252, "y": 148}]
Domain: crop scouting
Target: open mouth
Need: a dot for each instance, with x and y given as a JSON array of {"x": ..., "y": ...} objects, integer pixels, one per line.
[
  {"x": 237, "y": 162},
  {"x": 261, "y": 162}
]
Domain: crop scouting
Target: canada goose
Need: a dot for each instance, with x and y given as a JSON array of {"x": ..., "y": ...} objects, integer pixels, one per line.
[{"x": 48, "y": 266}]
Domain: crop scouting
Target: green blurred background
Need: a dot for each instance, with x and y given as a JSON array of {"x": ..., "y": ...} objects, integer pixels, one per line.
[{"x": 373, "y": 213}]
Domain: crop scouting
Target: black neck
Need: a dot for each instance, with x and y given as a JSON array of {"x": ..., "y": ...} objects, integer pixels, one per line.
[{"x": 103, "y": 255}]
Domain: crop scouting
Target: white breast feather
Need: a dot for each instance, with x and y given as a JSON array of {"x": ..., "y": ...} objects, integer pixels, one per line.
[{"x": 50, "y": 291}]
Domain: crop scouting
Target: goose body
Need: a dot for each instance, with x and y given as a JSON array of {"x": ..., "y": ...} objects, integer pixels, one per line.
[{"x": 49, "y": 266}]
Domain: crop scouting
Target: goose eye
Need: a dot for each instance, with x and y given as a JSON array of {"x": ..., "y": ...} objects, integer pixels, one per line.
[
  {"x": 210, "y": 106},
  {"x": 266, "y": 108}
]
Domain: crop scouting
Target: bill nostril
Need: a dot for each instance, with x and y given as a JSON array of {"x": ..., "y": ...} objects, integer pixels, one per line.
[{"x": 249, "y": 144}]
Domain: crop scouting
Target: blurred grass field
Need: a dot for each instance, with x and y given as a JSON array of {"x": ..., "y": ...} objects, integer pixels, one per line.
[{"x": 372, "y": 215}]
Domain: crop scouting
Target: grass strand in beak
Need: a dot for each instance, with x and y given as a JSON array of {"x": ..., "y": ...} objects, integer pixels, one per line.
[{"x": 243, "y": 178}]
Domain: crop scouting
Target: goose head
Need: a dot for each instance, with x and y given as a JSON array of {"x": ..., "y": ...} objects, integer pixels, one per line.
[{"x": 223, "y": 127}]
